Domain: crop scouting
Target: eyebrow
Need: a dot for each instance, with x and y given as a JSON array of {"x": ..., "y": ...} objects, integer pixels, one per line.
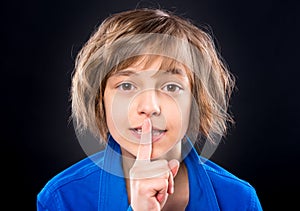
[
  {"x": 174, "y": 71},
  {"x": 125, "y": 73}
]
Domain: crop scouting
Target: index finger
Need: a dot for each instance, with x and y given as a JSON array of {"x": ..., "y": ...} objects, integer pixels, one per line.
[{"x": 145, "y": 147}]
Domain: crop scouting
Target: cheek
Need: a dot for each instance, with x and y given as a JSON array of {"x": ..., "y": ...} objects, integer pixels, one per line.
[
  {"x": 177, "y": 113},
  {"x": 116, "y": 112},
  {"x": 185, "y": 111}
]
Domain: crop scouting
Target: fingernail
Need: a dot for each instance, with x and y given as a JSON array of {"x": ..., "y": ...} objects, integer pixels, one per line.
[{"x": 173, "y": 163}]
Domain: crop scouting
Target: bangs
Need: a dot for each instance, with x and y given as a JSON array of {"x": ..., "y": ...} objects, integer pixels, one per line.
[
  {"x": 145, "y": 61},
  {"x": 144, "y": 49}
]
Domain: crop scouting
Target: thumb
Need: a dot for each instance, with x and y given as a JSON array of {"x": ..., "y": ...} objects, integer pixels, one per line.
[{"x": 174, "y": 166}]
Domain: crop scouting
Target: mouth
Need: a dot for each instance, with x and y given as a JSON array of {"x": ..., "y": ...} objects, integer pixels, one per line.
[{"x": 156, "y": 133}]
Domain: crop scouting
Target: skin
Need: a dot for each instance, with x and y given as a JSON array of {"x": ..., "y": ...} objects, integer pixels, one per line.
[{"x": 147, "y": 113}]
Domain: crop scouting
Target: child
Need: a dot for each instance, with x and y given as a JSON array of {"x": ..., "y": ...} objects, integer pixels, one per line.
[{"x": 150, "y": 85}]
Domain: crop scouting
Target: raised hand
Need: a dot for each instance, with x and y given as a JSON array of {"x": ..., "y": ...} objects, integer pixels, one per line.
[{"x": 150, "y": 181}]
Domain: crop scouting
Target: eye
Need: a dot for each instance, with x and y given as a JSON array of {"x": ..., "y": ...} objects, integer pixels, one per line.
[
  {"x": 172, "y": 88},
  {"x": 126, "y": 86}
]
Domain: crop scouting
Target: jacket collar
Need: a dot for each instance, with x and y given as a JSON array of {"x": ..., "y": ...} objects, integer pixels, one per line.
[{"x": 113, "y": 186}]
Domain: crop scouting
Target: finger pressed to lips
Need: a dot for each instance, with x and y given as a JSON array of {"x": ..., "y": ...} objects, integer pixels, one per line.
[
  {"x": 145, "y": 146},
  {"x": 145, "y": 168}
]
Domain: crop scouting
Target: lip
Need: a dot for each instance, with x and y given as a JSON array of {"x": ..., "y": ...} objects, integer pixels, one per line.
[{"x": 155, "y": 138}]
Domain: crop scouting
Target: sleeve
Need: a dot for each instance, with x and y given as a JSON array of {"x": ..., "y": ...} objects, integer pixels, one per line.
[
  {"x": 46, "y": 202},
  {"x": 255, "y": 204},
  {"x": 40, "y": 206}
]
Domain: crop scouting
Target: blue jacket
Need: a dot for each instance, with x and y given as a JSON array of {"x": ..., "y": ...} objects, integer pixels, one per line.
[{"x": 97, "y": 183}]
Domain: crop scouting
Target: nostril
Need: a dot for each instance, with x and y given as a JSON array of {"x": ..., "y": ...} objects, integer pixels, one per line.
[
  {"x": 150, "y": 112},
  {"x": 156, "y": 113}
]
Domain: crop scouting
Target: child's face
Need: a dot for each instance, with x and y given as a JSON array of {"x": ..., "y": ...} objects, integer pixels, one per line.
[{"x": 140, "y": 92}]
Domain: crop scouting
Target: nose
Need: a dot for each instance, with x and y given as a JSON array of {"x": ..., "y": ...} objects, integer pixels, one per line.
[{"x": 148, "y": 103}]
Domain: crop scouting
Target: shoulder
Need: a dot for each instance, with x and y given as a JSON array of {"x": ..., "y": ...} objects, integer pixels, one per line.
[
  {"x": 219, "y": 174},
  {"x": 231, "y": 190},
  {"x": 78, "y": 171},
  {"x": 82, "y": 174}
]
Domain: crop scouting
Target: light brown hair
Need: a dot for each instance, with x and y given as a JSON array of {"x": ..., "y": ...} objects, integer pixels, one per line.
[{"x": 116, "y": 44}]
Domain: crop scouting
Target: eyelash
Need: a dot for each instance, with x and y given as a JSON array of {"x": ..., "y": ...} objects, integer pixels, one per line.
[
  {"x": 123, "y": 88},
  {"x": 177, "y": 88},
  {"x": 127, "y": 87}
]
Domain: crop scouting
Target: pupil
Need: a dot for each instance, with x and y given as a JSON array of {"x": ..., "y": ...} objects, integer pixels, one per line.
[
  {"x": 126, "y": 86},
  {"x": 171, "y": 87}
]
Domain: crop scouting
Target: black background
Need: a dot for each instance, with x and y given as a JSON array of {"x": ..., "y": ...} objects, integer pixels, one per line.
[{"x": 258, "y": 39}]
